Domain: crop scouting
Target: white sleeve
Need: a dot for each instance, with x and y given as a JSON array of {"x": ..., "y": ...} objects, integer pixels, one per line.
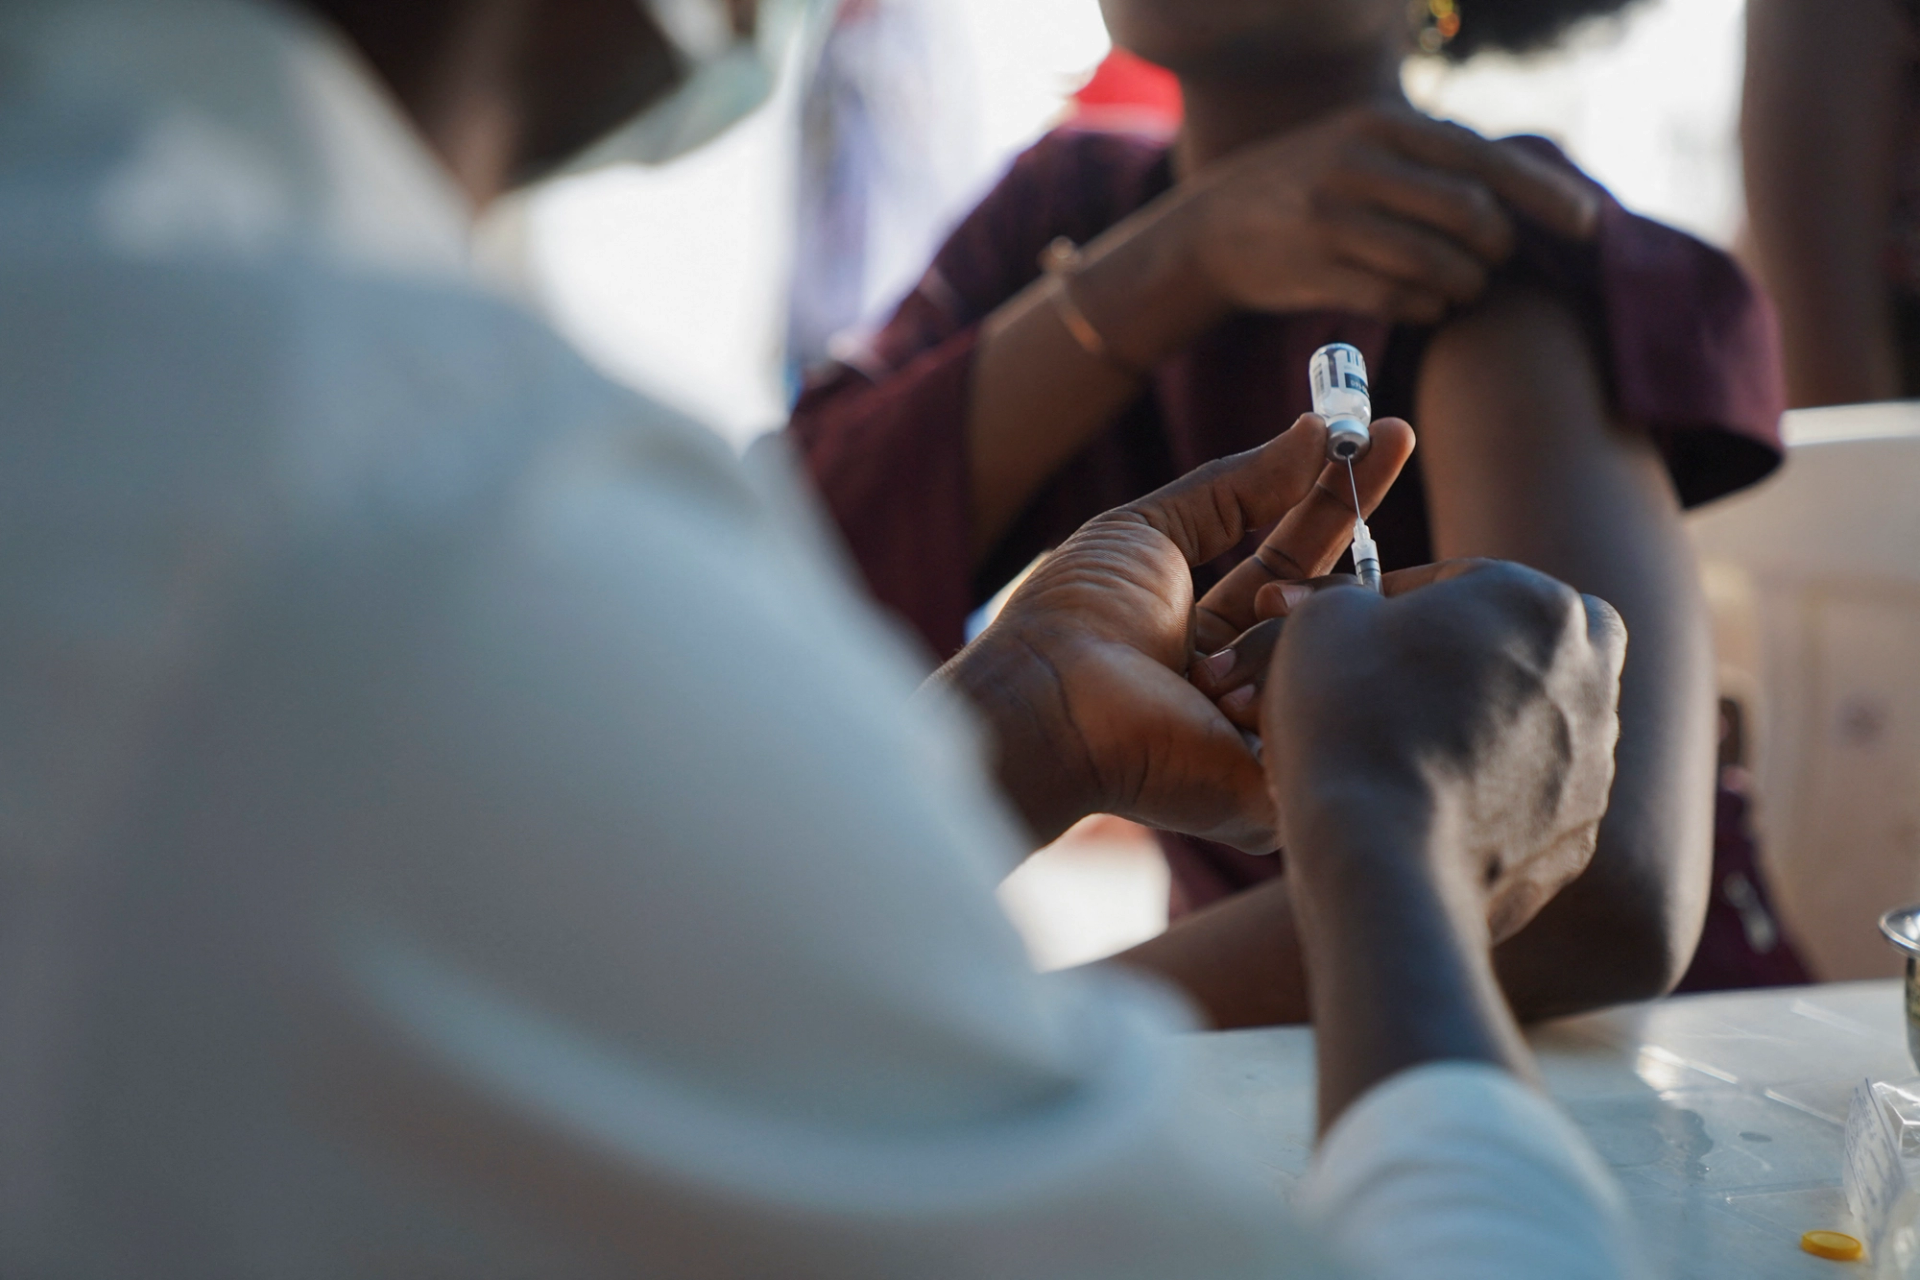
[
  {"x": 1457, "y": 1171},
  {"x": 641, "y": 912}
]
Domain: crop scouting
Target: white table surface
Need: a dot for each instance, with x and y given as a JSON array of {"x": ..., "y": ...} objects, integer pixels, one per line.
[{"x": 1720, "y": 1114}]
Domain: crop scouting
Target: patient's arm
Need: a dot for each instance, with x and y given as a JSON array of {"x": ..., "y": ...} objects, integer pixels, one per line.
[{"x": 1522, "y": 461}]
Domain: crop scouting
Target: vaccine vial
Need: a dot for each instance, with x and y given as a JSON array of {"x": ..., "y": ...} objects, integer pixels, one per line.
[{"x": 1339, "y": 377}]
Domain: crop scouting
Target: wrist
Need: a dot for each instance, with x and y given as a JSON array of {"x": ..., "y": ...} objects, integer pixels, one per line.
[
  {"x": 1399, "y": 965},
  {"x": 1145, "y": 287},
  {"x": 1039, "y": 761},
  {"x": 1354, "y": 847}
]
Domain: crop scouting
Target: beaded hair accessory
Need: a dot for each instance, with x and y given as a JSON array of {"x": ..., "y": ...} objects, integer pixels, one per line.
[{"x": 1437, "y": 21}]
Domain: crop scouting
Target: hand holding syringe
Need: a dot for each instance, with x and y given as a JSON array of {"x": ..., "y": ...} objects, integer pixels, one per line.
[{"x": 1240, "y": 619}]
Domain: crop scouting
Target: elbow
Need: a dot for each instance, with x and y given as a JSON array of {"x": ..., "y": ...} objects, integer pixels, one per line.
[
  {"x": 1651, "y": 950},
  {"x": 1621, "y": 935}
]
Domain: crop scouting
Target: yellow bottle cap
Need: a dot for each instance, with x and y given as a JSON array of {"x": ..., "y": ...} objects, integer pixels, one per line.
[{"x": 1831, "y": 1244}]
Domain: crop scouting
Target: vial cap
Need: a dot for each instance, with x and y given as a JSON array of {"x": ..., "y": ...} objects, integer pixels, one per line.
[{"x": 1833, "y": 1245}]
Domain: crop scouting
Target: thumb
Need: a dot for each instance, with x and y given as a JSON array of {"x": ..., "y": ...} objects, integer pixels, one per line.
[{"x": 1207, "y": 512}]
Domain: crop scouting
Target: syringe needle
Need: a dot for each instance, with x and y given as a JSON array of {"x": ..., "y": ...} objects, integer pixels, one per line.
[{"x": 1337, "y": 375}]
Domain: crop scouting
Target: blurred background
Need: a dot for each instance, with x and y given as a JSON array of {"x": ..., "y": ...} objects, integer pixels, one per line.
[
  {"x": 854, "y": 175},
  {"x": 1647, "y": 103}
]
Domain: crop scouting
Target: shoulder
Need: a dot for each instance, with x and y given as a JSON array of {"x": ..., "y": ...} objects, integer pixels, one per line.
[
  {"x": 1688, "y": 343},
  {"x": 1091, "y": 178}
]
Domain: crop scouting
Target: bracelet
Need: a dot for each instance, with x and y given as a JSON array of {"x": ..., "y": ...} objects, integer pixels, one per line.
[{"x": 1060, "y": 260}]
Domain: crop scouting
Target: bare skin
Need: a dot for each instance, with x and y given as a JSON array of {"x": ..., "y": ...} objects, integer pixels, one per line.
[
  {"x": 1433, "y": 795},
  {"x": 1819, "y": 137},
  {"x": 1491, "y": 378},
  {"x": 1304, "y": 182},
  {"x": 1441, "y": 811},
  {"x": 501, "y": 88},
  {"x": 1084, "y": 677}
]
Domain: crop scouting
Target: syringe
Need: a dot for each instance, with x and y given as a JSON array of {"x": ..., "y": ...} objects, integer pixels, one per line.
[
  {"x": 1366, "y": 554},
  {"x": 1339, "y": 376}
]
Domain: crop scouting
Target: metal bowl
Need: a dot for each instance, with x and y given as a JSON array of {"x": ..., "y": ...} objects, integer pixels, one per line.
[{"x": 1902, "y": 928}]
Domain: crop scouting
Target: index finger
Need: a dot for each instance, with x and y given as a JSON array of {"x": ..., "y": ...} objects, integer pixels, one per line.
[
  {"x": 1309, "y": 538},
  {"x": 1558, "y": 198},
  {"x": 1280, "y": 599}
]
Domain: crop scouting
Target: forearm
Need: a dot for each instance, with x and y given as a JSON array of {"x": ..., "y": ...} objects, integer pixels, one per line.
[
  {"x": 1818, "y": 139},
  {"x": 1628, "y": 928},
  {"x": 1398, "y": 981},
  {"x": 1399, "y": 975},
  {"x": 1239, "y": 960},
  {"x": 1038, "y": 396},
  {"x": 1524, "y": 464}
]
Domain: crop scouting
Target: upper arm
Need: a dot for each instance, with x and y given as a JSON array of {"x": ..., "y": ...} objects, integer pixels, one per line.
[
  {"x": 1522, "y": 456},
  {"x": 1524, "y": 460}
]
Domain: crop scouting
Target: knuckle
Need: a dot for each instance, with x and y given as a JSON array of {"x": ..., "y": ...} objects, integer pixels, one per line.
[{"x": 1529, "y": 589}]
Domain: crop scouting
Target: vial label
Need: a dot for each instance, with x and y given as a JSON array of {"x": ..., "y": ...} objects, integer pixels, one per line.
[
  {"x": 1339, "y": 379},
  {"x": 1338, "y": 375}
]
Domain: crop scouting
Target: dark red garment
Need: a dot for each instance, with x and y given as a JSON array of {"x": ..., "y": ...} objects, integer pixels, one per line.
[
  {"x": 1742, "y": 943},
  {"x": 1687, "y": 343}
]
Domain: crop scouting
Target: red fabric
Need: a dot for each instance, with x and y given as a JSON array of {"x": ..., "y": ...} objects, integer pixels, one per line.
[
  {"x": 1687, "y": 342},
  {"x": 1128, "y": 92},
  {"x": 1742, "y": 943}
]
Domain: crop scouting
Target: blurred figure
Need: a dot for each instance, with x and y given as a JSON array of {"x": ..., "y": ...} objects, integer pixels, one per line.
[
  {"x": 458, "y": 822},
  {"x": 1578, "y": 375},
  {"x": 888, "y": 155},
  {"x": 1830, "y": 138}
]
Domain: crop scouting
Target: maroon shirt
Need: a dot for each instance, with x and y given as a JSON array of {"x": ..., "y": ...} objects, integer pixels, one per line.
[{"x": 1688, "y": 346}]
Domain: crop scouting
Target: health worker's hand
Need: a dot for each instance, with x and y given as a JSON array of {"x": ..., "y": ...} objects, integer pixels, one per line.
[
  {"x": 1475, "y": 707},
  {"x": 1083, "y": 677},
  {"x": 1385, "y": 213}
]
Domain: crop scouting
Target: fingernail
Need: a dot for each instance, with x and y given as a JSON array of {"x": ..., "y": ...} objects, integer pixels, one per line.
[
  {"x": 1239, "y": 700},
  {"x": 1293, "y": 593},
  {"x": 1219, "y": 666}
]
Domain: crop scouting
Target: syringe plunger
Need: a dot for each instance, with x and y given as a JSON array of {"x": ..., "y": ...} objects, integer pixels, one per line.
[
  {"x": 1338, "y": 374},
  {"x": 1366, "y": 556}
]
